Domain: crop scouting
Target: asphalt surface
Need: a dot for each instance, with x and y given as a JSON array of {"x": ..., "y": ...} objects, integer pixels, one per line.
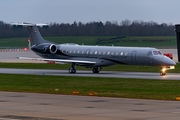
[
  {"x": 31, "y": 106},
  {"x": 12, "y": 57},
  {"x": 110, "y": 74}
]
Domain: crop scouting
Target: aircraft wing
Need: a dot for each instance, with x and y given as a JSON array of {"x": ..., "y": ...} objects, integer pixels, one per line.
[{"x": 59, "y": 60}]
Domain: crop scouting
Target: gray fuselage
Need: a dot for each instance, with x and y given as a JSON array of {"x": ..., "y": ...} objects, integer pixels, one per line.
[{"x": 109, "y": 55}]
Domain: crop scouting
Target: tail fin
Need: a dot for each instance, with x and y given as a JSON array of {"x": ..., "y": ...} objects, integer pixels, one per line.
[{"x": 35, "y": 36}]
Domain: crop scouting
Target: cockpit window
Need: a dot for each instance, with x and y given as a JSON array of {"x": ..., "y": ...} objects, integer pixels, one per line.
[
  {"x": 157, "y": 53},
  {"x": 149, "y": 53}
]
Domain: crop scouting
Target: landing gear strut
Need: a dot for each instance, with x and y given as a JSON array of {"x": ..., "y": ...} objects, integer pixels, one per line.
[
  {"x": 96, "y": 69},
  {"x": 72, "y": 69},
  {"x": 163, "y": 72}
]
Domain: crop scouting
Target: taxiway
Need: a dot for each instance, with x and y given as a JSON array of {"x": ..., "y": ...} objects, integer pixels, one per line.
[
  {"x": 31, "y": 106},
  {"x": 109, "y": 74}
]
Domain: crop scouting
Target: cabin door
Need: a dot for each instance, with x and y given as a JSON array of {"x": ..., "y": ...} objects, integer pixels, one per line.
[
  {"x": 133, "y": 57},
  {"x": 87, "y": 52}
]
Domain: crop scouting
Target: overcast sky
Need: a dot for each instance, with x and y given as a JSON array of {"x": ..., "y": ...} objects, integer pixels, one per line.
[{"x": 68, "y": 11}]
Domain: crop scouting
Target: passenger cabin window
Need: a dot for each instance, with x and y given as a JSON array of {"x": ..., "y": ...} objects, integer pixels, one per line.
[
  {"x": 157, "y": 53},
  {"x": 121, "y": 53},
  {"x": 95, "y": 52}
]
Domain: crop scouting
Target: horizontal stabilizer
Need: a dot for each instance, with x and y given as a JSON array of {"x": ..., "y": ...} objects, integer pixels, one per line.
[
  {"x": 29, "y": 24},
  {"x": 59, "y": 60}
]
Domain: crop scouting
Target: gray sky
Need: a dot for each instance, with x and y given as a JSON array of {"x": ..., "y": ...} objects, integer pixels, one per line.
[{"x": 68, "y": 11}]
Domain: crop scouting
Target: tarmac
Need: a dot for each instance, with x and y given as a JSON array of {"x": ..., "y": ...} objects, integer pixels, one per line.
[
  {"x": 33, "y": 106},
  {"x": 85, "y": 73}
]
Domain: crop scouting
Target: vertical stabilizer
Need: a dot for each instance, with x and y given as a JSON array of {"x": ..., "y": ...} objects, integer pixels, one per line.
[{"x": 35, "y": 36}]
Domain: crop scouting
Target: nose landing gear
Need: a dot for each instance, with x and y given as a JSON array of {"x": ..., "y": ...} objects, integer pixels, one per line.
[
  {"x": 163, "y": 72},
  {"x": 165, "y": 68}
]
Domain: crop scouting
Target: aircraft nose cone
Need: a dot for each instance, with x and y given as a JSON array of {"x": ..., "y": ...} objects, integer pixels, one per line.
[
  {"x": 173, "y": 63},
  {"x": 169, "y": 61}
]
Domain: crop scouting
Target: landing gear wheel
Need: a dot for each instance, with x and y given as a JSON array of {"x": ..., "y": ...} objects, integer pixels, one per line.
[
  {"x": 162, "y": 73},
  {"x": 73, "y": 68},
  {"x": 96, "y": 69}
]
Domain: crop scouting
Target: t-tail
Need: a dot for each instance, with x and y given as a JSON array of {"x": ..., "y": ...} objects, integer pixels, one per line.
[
  {"x": 38, "y": 44},
  {"x": 35, "y": 36}
]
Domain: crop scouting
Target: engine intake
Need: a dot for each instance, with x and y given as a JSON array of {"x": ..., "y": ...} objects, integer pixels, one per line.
[{"x": 53, "y": 49}]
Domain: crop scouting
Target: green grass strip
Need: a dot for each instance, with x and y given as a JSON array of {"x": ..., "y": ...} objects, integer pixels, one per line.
[
  {"x": 137, "y": 41},
  {"x": 108, "y": 87}
]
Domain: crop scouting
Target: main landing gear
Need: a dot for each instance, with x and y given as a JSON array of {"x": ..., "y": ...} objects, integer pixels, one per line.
[
  {"x": 96, "y": 69},
  {"x": 72, "y": 69}
]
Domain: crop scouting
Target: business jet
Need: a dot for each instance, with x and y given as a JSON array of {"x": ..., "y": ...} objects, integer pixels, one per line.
[{"x": 94, "y": 57}]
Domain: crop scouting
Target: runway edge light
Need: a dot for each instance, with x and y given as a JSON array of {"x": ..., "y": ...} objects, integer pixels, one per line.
[
  {"x": 178, "y": 98},
  {"x": 92, "y": 94},
  {"x": 75, "y": 93}
]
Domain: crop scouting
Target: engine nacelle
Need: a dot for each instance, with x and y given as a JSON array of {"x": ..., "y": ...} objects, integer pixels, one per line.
[
  {"x": 45, "y": 48},
  {"x": 52, "y": 49}
]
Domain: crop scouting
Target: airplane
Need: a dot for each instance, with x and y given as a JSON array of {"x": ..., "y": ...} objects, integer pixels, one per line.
[{"x": 94, "y": 57}]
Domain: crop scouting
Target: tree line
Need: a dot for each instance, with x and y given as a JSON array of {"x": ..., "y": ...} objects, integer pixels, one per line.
[{"x": 109, "y": 28}]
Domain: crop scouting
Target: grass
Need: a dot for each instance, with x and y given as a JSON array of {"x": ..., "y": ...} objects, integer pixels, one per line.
[
  {"x": 141, "y": 41},
  {"x": 109, "y": 87}
]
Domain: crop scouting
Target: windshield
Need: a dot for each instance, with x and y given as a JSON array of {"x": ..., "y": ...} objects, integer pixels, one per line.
[{"x": 157, "y": 53}]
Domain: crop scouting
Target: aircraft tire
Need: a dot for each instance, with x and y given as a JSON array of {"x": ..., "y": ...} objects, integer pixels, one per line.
[
  {"x": 71, "y": 70},
  {"x": 95, "y": 70},
  {"x": 162, "y": 73}
]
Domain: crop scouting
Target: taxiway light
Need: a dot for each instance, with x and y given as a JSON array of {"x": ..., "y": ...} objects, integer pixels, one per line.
[
  {"x": 75, "y": 93},
  {"x": 178, "y": 98}
]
